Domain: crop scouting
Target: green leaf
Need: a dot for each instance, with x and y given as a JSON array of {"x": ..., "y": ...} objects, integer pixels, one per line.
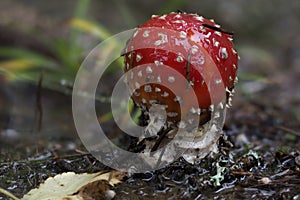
[
  {"x": 36, "y": 59},
  {"x": 90, "y": 28}
]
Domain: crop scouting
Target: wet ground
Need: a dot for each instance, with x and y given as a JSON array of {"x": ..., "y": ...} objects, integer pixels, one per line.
[{"x": 261, "y": 157}]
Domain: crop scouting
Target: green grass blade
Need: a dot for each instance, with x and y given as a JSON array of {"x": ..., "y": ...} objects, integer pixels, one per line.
[{"x": 24, "y": 54}]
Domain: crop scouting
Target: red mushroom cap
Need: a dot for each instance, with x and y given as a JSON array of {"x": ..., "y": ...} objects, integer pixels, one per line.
[{"x": 192, "y": 47}]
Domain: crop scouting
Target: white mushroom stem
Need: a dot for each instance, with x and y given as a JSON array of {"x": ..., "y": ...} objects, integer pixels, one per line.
[{"x": 158, "y": 116}]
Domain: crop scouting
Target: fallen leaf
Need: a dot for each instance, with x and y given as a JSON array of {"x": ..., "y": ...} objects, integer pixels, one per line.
[{"x": 71, "y": 186}]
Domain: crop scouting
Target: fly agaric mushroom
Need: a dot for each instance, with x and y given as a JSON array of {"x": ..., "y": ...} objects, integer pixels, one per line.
[{"x": 193, "y": 47}]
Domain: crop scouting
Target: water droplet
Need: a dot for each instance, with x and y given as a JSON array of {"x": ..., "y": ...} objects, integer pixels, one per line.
[
  {"x": 146, "y": 33},
  {"x": 200, "y": 18},
  {"x": 180, "y": 22},
  {"x": 219, "y": 81},
  {"x": 217, "y": 26},
  {"x": 171, "y": 79},
  {"x": 218, "y": 33},
  {"x": 178, "y": 99},
  {"x": 165, "y": 94},
  {"x": 144, "y": 101},
  {"x": 193, "y": 110},
  {"x": 147, "y": 88},
  {"x": 179, "y": 59},
  {"x": 138, "y": 58},
  {"x": 147, "y": 79},
  {"x": 140, "y": 74},
  {"x": 156, "y": 62},
  {"x": 224, "y": 53},
  {"x": 158, "y": 79},
  {"x": 163, "y": 17},
  {"x": 177, "y": 16},
  {"x": 202, "y": 28},
  {"x": 149, "y": 70},
  {"x": 157, "y": 89},
  {"x": 216, "y": 43},
  {"x": 194, "y": 49},
  {"x": 137, "y": 85},
  {"x": 182, "y": 34},
  {"x": 157, "y": 42},
  {"x": 234, "y": 51},
  {"x": 163, "y": 39}
]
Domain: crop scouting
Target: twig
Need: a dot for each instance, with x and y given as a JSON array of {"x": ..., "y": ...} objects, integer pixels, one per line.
[
  {"x": 8, "y": 194},
  {"x": 289, "y": 130},
  {"x": 159, "y": 140},
  {"x": 39, "y": 109}
]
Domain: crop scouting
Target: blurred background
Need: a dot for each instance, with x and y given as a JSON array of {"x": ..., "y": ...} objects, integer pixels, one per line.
[{"x": 42, "y": 44}]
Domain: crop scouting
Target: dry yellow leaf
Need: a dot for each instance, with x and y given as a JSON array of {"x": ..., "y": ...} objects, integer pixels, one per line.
[{"x": 77, "y": 186}]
